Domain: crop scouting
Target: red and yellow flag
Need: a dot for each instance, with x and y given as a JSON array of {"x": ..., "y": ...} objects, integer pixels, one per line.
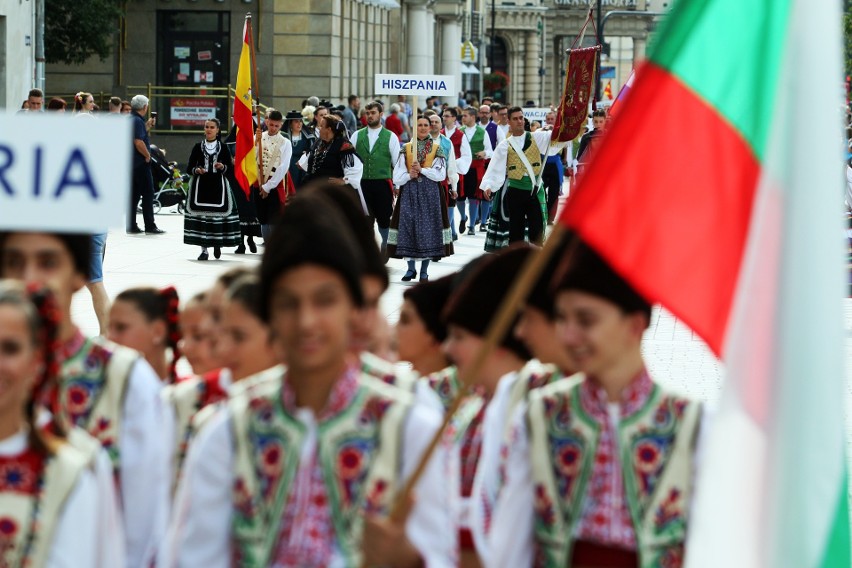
[
  {"x": 608, "y": 90},
  {"x": 245, "y": 157}
]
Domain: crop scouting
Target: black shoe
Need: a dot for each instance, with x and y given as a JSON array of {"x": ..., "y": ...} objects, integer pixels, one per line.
[
  {"x": 251, "y": 245},
  {"x": 455, "y": 237},
  {"x": 134, "y": 231},
  {"x": 462, "y": 225},
  {"x": 409, "y": 275},
  {"x": 203, "y": 256},
  {"x": 154, "y": 231},
  {"x": 240, "y": 249},
  {"x": 217, "y": 252},
  {"x": 424, "y": 277},
  {"x": 471, "y": 232}
]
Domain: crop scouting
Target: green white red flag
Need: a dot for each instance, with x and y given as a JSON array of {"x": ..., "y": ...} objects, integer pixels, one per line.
[{"x": 729, "y": 216}]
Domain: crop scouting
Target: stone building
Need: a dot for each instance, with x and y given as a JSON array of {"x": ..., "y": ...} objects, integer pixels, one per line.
[
  {"x": 17, "y": 56},
  {"x": 188, "y": 51}
]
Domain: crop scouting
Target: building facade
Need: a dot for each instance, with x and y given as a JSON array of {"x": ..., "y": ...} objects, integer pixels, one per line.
[{"x": 17, "y": 60}]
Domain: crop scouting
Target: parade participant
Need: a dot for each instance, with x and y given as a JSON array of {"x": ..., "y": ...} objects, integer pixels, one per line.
[
  {"x": 467, "y": 314},
  {"x": 249, "y": 225},
  {"x": 58, "y": 502},
  {"x": 146, "y": 320},
  {"x": 486, "y": 120},
  {"x": 503, "y": 120},
  {"x": 350, "y": 113},
  {"x": 143, "y": 182},
  {"x": 463, "y": 156},
  {"x": 518, "y": 158},
  {"x": 481, "y": 149},
  {"x": 84, "y": 103},
  {"x": 420, "y": 331},
  {"x": 590, "y": 139},
  {"x": 420, "y": 227},
  {"x": 272, "y": 194},
  {"x": 320, "y": 112},
  {"x": 108, "y": 390},
  {"x": 196, "y": 330},
  {"x": 333, "y": 158},
  {"x": 629, "y": 441},
  {"x": 302, "y": 140},
  {"x": 393, "y": 121},
  {"x": 378, "y": 149},
  {"x": 210, "y": 219},
  {"x": 245, "y": 498},
  {"x": 450, "y": 184},
  {"x": 554, "y": 172}
]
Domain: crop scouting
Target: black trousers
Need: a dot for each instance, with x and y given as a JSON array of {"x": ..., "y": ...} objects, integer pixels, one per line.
[
  {"x": 143, "y": 188},
  {"x": 379, "y": 198},
  {"x": 524, "y": 211},
  {"x": 552, "y": 182}
]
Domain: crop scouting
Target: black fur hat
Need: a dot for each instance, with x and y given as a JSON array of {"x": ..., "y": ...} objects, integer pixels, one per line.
[{"x": 429, "y": 298}]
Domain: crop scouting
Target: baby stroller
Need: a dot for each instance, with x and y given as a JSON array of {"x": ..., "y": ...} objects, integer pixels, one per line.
[{"x": 168, "y": 182}]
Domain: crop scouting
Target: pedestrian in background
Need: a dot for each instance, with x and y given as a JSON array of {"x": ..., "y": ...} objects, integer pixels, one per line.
[{"x": 143, "y": 182}]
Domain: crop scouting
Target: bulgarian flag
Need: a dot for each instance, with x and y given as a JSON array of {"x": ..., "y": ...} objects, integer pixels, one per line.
[
  {"x": 732, "y": 221},
  {"x": 245, "y": 156}
]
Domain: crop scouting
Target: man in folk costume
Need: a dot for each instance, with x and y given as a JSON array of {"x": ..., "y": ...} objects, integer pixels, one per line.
[
  {"x": 600, "y": 466},
  {"x": 519, "y": 158},
  {"x": 107, "y": 390},
  {"x": 300, "y": 470},
  {"x": 462, "y": 153},
  {"x": 554, "y": 171},
  {"x": 378, "y": 149},
  {"x": 481, "y": 150},
  {"x": 486, "y": 112},
  {"x": 467, "y": 315},
  {"x": 277, "y": 151}
]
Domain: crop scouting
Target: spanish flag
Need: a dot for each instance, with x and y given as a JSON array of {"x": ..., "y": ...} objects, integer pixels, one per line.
[
  {"x": 608, "y": 90},
  {"x": 245, "y": 158}
]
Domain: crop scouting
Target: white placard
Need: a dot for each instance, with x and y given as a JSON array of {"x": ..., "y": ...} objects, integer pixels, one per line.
[
  {"x": 64, "y": 174},
  {"x": 538, "y": 114},
  {"x": 421, "y": 85}
]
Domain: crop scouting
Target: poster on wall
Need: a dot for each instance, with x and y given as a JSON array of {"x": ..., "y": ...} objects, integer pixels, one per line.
[
  {"x": 203, "y": 76},
  {"x": 192, "y": 112},
  {"x": 181, "y": 52}
]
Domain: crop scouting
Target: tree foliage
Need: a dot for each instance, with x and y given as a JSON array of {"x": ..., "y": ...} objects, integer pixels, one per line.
[{"x": 77, "y": 30}]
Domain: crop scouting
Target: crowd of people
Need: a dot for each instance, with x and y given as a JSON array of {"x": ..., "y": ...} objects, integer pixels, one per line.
[{"x": 275, "y": 420}]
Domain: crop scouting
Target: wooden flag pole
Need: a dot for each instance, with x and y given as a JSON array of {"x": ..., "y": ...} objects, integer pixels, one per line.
[
  {"x": 258, "y": 140},
  {"x": 497, "y": 329}
]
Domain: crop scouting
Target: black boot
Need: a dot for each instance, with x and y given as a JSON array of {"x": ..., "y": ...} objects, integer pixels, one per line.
[{"x": 251, "y": 245}]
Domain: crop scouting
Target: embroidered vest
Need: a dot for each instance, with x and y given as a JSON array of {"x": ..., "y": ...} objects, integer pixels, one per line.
[
  {"x": 657, "y": 445},
  {"x": 455, "y": 139},
  {"x": 271, "y": 153},
  {"x": 446, "y": 385},
  {"x": 532, "y": 376},
  {"x": 477, "y": 142},
  {"x": 33, "y": 491},
  {"x": 359, "y": 451},
  {"x": 410, "y": 157},
  {"x": 92, "y": 387},
  {"x": 515, "y": 168},
  {"x": 377, "y": 162},
  {"x": 386, "y": 372}
]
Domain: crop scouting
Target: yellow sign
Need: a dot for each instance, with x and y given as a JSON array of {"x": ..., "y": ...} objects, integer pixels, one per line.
[{"x": 468, "y": 52}]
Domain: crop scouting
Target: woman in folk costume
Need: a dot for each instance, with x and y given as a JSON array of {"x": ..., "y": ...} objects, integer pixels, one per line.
[
  {"x": 57, "y": 500},
  {"x": 333, "y": 158},
  {"x": 302, "y": 140},
  {"x": 299, "y": 471},
  {"x": 600, "y": 466},
  {"x": 210, "y": 219},
  {"x": 420, "y": 227}
]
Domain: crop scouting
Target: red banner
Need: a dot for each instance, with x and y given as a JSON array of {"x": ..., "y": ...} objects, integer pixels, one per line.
[{"x": 579, "y": 81}]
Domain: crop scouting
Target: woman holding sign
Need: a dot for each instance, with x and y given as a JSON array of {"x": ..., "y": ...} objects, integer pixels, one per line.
[
  {"x": 420, "y": 227},
  {"x": 211, "y": 219}
]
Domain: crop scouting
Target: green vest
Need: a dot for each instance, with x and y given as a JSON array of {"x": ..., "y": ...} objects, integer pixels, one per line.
[
  {"x": 367, "y": 436},
  {"x": 657, "y": 446},
  {"x": 477, "y": 143},
  {"x": 377, "y": 162}
]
